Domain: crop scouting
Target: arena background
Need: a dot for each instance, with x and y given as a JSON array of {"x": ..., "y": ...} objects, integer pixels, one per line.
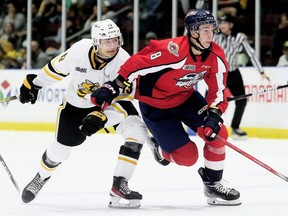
[{"x": 265, "y": 115}]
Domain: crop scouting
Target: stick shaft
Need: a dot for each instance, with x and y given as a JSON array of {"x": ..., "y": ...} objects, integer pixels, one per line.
[
  {"x": 9, "y": 173},
  {"x": 245, "y": 154},
  {"x": 3, "y": 100},
  {"x": 256, "y": 93}
]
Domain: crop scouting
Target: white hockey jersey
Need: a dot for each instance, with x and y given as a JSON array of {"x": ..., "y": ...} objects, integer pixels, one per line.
[{"x": 87, "y": 74}]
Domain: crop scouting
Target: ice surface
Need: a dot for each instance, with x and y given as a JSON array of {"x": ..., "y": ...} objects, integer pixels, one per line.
[{"x": 82, "y": 183}]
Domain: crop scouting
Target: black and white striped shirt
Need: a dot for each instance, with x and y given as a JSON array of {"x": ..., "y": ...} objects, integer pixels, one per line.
[{"x": 233, "y": 45}]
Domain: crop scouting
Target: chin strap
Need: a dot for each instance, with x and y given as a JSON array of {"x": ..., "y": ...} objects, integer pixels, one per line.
[
  {"x": 197, "y": 47},
  {"x": 102, "y": 58},
  {"x": 202, "y": 48}
]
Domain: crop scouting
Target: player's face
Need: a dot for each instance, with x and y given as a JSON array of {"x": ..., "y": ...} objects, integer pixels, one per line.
[
  {"x": 206, "y": 33},
  {"x": 285, "y": 52},
  {"x": 109, "y": 47},
  {"x": 225, "y": 27}
]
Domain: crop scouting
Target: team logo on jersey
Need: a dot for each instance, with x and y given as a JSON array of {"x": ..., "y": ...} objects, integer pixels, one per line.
[
  {"x": 206, "y": 66},
  {"x": 189, "y": 67},
  {"x": 189, "y": 80},
  {"x": 62, "y": 57},
  {"x": 81, "y": 70},
  {"x": 86, "y": 87},
  {"x": 202, "y": 110},
  {"x": 173, "y": 48}
]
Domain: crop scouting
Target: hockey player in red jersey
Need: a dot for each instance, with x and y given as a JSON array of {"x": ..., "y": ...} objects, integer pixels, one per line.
[
  {"x": 166, "y": 72},
  {"x": 89, "y": 63}
]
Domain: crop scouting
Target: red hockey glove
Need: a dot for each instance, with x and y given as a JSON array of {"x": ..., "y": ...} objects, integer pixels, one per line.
[
  {"x": 105, "y": 94},
  {"x": 212, "y": 123}
]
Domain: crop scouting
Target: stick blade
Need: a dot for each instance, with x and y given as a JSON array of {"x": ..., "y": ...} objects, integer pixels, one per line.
[{"x": 4, "y": 100}]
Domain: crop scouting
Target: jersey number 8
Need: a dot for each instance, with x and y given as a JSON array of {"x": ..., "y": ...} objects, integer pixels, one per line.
[{"x": 155, "y": 55}]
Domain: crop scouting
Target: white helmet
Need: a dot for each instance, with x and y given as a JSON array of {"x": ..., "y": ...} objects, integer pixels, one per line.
[{"x": 105, "y": 29}]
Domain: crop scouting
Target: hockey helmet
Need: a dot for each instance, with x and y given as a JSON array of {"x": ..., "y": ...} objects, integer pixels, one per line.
[
  {"x": 105, "y": 29},
  {"x": 197, "y": 17}
]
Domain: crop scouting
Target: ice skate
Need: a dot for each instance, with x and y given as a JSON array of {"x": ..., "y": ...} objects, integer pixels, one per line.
[
  {"x": 122, "y": 196},
  {"x": 152, "y": 143},
  {"x": 32, "y": 189},
  {"x": 217, "y": 193},
  {"x": 239, "y": 134}
]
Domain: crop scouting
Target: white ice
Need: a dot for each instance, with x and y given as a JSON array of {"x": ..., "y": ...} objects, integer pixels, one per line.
[{"x": 82, "y": 183}]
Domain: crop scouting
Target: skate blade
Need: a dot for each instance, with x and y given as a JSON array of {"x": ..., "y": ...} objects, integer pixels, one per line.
[
  {"x": 119, "y": 202},
  {"x": 237, "y": 137},
  {"x": 221, "y": 202}
]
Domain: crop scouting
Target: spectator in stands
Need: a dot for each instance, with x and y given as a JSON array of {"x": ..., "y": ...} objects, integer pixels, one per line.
[
  {"x": 4, "y": 62},
  {"x": 49, "y": 16},
  {"x": 47, "y": 9},
  {"x": 107, "y": 13},
  {"x": 227, "y": 7},
  {"x": 70, "y": 30},
  {"x": 149, "y": 14},
  {"x": 38, "y": 56},
  {"x": 203, "y": 4},
  {"x": 9, "y": 34},
  {"x": 150, "y": 36},
  {"x": 9, "y": 56},
  {"x": 119, "y": 2},
  {"x": 11, "y": 46},
  {"x": 232, "y": 7},
  {"x": 18, "y": 19},
  {"x": 283, "y": 60},
  {"x": 280, "y": 36},
  {"x": 15, "y": 17}
]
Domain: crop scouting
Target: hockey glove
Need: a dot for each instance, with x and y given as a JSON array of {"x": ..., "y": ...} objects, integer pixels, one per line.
[
  {"x": 105, "y": 94},
  {"x": 29, "y": 91},
  {"x": 212, "y": 123},
  {"x": 93, "y": 122}
]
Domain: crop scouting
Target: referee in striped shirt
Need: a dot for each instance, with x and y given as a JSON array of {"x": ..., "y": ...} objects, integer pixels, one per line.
[{"x": 233, "y": 43}]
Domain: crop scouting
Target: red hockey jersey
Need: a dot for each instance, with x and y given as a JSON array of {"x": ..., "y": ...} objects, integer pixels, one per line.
[{"x": 167, "y": 72}]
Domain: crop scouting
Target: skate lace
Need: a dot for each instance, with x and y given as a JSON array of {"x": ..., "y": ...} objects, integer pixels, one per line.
[
  {"x": 219, "y": 187},
  {"x": 155, "y": 148},
  {"x": 36, "y": 185},
  {"x": 124, "y": 187},
  {"x": 158, "y": 155}
]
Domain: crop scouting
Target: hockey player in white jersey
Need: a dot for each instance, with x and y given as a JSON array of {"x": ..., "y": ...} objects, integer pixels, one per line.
[{"x": 90, "y": 62}]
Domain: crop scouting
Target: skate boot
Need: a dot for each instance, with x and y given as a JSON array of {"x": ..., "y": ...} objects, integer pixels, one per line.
[
  {"x": 32, "y": 189},
  {"x": 239, "y": 134},
  {"x": 217, "y": 193},
  {"x": 122, "y": 196},
  {"x": 152, "y": 143}
]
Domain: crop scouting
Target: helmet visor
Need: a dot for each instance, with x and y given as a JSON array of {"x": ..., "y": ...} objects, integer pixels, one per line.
[{"x": 110, "y": 43}]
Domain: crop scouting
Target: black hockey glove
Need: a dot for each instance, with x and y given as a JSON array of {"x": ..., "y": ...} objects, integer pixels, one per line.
[
  {"x": 93, "y": 122},
  {"x": 212, "y": 123},
  {"x": 29, "y": 91},
  {"x": 105, "y": 94}
]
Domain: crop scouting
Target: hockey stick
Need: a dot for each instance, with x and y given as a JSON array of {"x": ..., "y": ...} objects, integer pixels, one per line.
[
  {"x": 3, "y": 100},
  {"x": 256, "y": 93},
  {"x": 285, "y": 178},
  {"x": 9, "y": 174}
]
